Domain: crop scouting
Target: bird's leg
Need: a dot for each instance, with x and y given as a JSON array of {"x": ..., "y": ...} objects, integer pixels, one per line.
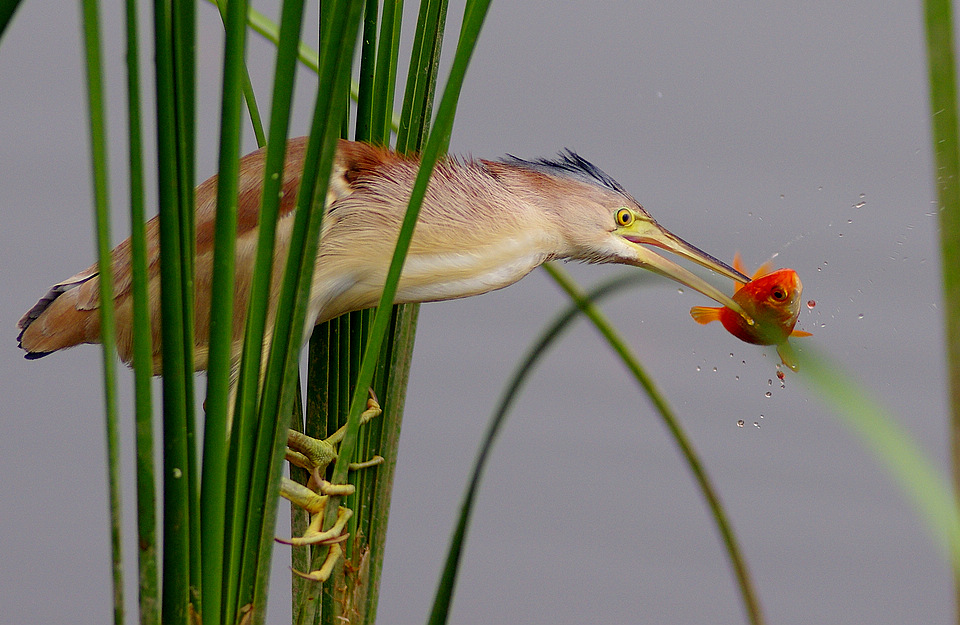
[{"x": 315, "y": 456}]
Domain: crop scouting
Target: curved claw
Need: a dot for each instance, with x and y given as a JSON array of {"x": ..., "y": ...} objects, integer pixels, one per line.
[
  {"x": 314, "y": 536},
  {"x": 323, "y": 573}
]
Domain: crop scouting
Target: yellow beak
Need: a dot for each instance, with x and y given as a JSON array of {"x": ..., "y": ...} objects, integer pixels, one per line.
[{"x": 642, "y": 232}]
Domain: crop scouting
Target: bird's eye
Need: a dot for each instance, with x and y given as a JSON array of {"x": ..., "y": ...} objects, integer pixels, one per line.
[{"x": 624, "y": 217}]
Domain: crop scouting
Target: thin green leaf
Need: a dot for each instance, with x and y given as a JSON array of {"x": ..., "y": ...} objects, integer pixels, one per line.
[
  {"x": 946, "y": 149},
  {"x": 176, "y": 491},
  {"x": 142, "y": 341},
  {"x": 7, "y": 9},
  {"x": 215, "y": 456},
  {"x": 98, "y": 152},
  {"x": 894, "y": 447},
  {"x": 750, "y": 602},
  {"x": 443, "y": 598},
  {"x": 474, "y": 15},
  {"x": 280, "y": 378}
]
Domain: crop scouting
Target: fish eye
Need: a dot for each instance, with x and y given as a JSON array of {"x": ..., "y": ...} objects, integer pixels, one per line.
[
  {"x": 624, "y": 217},
  {"x": 778, "y": 294}
]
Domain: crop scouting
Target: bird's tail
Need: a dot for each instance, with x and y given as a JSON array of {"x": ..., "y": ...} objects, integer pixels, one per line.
[{"x": 66, "y": 316}]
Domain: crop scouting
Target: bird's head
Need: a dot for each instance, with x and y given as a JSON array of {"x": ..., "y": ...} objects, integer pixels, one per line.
[{"x": 603, "y": 223}]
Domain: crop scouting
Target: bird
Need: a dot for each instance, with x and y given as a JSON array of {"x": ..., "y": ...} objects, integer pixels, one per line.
[{"x": 483, "y": 225}]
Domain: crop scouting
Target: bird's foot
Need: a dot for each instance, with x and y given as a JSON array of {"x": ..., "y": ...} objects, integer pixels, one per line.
[
  {"x": 315, "y": 455},
  {"x": 316, "y": 505}
]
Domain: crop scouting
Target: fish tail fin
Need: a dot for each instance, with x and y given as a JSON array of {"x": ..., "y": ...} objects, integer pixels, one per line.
[
  {"x": 800, "y": 333},
  {"x": 787, "y": 355},
  {"x": 705, "y": 314}
]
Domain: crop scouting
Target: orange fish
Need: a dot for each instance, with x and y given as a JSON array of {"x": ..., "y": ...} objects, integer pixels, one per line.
[{"x": 772, "y": 300}]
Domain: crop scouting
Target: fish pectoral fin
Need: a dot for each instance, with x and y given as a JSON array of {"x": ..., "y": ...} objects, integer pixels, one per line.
[
  {"x": 705, "y": 314},
  {"x": 787, "y": 355},
  {"x": 800, "y": 333}
]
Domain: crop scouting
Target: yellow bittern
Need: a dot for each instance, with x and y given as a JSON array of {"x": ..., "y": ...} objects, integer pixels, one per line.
[{"x": 483, "y": 226}]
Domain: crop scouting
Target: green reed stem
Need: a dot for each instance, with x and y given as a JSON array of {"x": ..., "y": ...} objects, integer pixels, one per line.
[{"x": 98, "y": 152}]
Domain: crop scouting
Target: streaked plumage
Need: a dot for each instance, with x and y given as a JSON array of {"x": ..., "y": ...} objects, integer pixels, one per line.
[{"x": 483, "y": 226}]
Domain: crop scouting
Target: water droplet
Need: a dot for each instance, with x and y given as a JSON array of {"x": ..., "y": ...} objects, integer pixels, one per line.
[
  {"x": 738, "y": 378},
  {"x": 177, "y": 473},
  {"x": 680, "y": 291},
  {"x": 275, "y": 175},
  {"x": 770, "y": 382},
  {"x": 840, "y": 234},
  {"x": 714, "y": 369},
  {"x": 863, "y": 195},
  {"x": 849, "y": 221},
  {"x": 819, "y": 188},
  {"x": 780, "y": 375},
  {"x": 698, "y": 367},
  {"x": 761, "y": 416},
  {"x": 781, "y": 196},
  {"x": 740, "y": 423},
  {"x": 768, "y": 394},
  {"x": 756, "y": 425},
  {"x": 859, "y": 205},
  {"x": 860, "y": 316},
  {"x": 811, "y": 304},
  {"x": 731, "y": 354}
]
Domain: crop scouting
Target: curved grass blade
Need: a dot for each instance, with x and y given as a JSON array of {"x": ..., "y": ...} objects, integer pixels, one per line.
[
  {"x": 750, "y": 602},
  {"x": 893, "y": 446},
  {"x": 584, "y": 303},
  {"x": 253, "y": 111},
  {"x": 98, "y": 153},
  {"x": 443, "y": 598}
]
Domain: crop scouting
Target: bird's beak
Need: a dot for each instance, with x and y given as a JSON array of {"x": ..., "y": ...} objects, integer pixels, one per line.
[{"x": 643, "y": 232}]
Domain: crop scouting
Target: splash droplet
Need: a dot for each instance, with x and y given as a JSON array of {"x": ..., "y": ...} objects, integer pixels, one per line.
[
  {"x": 740, "y": 423},
  {"x": 811, "y": 304},
  {"x": 860, "y": 316},
  {"x": 698, "y": 368},
  {"x": 768, "y": 394},
  {"x": 756, "y": 425},
  {"x": 780, "y": 375}
]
